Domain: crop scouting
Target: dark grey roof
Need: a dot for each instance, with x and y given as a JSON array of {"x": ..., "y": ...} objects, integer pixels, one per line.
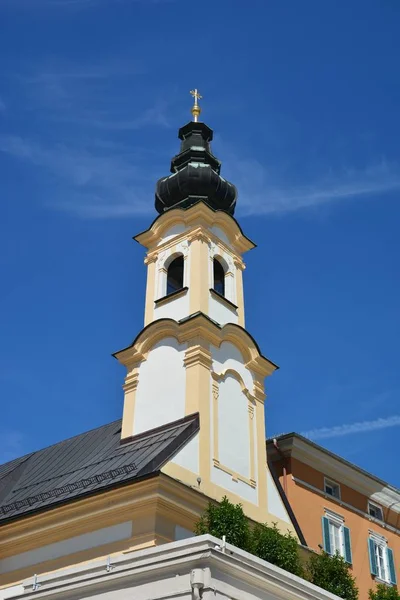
[{"x": 87, "y": 463}]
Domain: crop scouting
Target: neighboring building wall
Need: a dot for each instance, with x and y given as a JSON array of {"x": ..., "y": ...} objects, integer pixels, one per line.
[{"x": 310, "y": 503}]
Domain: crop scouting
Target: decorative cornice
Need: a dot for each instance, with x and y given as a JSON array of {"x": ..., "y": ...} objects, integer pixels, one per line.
[
  {"x": 197, "y": 355},
  {"x": 131, "y": 382},
  {"x": 232, "y": 373},
  {"x": 239, "y": 264},
  {"x": 340, "y": 470},
  {"x": 150, "y": 258},
  {"x": 198, "y": 214},
  {"x": 346, "y": 505},
  {"x": 198, "y": 326},
  {"x": 204, "y": 552},
  {"x": 235, "y": 476}
]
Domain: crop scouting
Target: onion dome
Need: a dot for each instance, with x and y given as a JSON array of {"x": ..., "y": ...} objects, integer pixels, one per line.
[{"x": 195, "y": 172}]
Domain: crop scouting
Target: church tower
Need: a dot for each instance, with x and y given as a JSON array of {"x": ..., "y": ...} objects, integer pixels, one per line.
[{"x": 194, "y": 354}]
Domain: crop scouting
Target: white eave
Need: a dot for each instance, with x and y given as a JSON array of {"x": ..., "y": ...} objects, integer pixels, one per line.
[
  {"x": 167, "y": 571},
  {"x": 340, "y": 470}
]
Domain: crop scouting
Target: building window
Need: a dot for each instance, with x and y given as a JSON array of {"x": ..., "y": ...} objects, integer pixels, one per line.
[
  {"x": 375, "y": 511},
  {"x": 381, "y": 559},
  {"x": 336, "y": 536},
  {"x": 175, "y": 275},
  {"x": 219, "y": 277},
  {"x": 332, "y": 488}
]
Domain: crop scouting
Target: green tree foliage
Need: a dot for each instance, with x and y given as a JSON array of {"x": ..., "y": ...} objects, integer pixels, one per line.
[
  {"x": 332, "y": 573},
  {"x": 384, "y": 592},
  {"x": 226, "y": 519},
  {"x": 264, "y": 541},
  {"x": 279, "y": 549}
]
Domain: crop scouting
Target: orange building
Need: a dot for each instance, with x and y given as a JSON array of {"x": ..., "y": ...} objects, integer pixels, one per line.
[{"x": 340, "y": 508}]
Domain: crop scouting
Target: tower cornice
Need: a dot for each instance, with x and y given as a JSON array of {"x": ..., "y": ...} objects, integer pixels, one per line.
[
  {"x": 193, "y": 327},
  {"x": 198, "y": 214}
]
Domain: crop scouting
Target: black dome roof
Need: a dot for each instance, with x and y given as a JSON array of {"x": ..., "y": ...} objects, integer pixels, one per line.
[{"x": 195, "y": 175}]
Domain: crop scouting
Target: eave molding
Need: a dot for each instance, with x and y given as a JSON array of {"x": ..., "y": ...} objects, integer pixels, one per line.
[
  {"x": 203, "y": 552},
  {"x": 196, "y": 327},
  {"x": 60, "y": 522},
  {"x": 198, "y": 214},
  {"x": 340, "y": 471}
]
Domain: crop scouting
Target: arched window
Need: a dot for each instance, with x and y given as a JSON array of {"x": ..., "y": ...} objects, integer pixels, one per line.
[
  {"x": 175, "y": 275},
  {"x": 219, "y": 277}
]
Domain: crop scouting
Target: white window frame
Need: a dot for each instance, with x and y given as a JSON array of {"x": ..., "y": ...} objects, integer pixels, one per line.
[
  {"x": 331, "y": 483},
  {"x": 382, "y": 566},
  {"x": 336, "y": 521},
  {"x": 375, "y": 506}
]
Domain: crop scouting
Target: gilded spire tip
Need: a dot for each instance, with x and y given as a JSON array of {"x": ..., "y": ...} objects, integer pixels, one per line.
[{"x": 196, "y": 110}]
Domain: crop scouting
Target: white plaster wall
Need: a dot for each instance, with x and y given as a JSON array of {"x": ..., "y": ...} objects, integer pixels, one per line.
[
  {"x": 160, "y": 395},
  {"x": 233, "y": 422},
  {"x": 176, "y": 308},
  {"x": 233, "y": 427},
  {"x": 106, "y": 535},
  {"x": 220, "y": 234},
  {"x": 219, "y": 312},
  {"x": 224, "y": 481},
  {"x": 275, "y": 504},
  {"x": 188, "y": 457},
  {"x": 227, "y": 356},
  {"x": 172, "y": 232}
]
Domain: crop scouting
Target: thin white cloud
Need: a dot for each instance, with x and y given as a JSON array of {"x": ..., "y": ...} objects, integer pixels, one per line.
[
  {"x": 352, "y": 428},
  {"x": 262, "y": 193},
  {"x": 99, "y": 96},
  {"x": 91, "y": 182},
  {"x": 105, "y": 181}
]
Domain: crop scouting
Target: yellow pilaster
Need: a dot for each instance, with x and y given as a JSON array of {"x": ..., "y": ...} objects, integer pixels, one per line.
[
  {"x": 198, "y": 363},
  {"x": 239, "y": 292},
  {"x": 150, "y": 290},
  {"x": 199, "y": 279}
]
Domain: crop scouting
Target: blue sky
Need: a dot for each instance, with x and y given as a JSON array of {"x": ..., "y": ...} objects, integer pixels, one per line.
[{"x": 303, "y": 98}]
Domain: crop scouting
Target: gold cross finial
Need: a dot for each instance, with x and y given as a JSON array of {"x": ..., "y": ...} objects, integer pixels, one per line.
[{"x": 196, "y": 110}]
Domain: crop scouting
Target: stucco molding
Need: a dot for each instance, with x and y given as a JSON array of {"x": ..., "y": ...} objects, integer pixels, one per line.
[
  {"x": 224, "y": 571},
  {"x": 346, "y": 505},
  {"x": 197, "y": 355},
  {"x": 341, "y": 471},
  {"x": 198, "y": 326},
  {"x": 199, "y": 213},
  {"x": 217, "y": 378}
]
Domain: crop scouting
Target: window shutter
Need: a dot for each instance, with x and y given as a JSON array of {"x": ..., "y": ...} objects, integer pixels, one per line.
[
  {"x": 392, "y": 570},
  {"x": 325, "y": 535},
  {"x": 372, "y": 557},
  {"x": 347, "y": 545}
]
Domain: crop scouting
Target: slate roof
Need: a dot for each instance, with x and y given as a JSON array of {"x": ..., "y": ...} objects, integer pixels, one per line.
[{"x": 87, "y": 463}]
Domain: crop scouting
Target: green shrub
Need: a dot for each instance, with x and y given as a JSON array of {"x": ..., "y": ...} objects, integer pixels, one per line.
[
  {"x": 332, "y": 573},
  {"x": 384, "y": 592},
  {"x": 264, "y": 541},
  {"x": 279, "y": 549},
  {"x": 226, "y": 519}
]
